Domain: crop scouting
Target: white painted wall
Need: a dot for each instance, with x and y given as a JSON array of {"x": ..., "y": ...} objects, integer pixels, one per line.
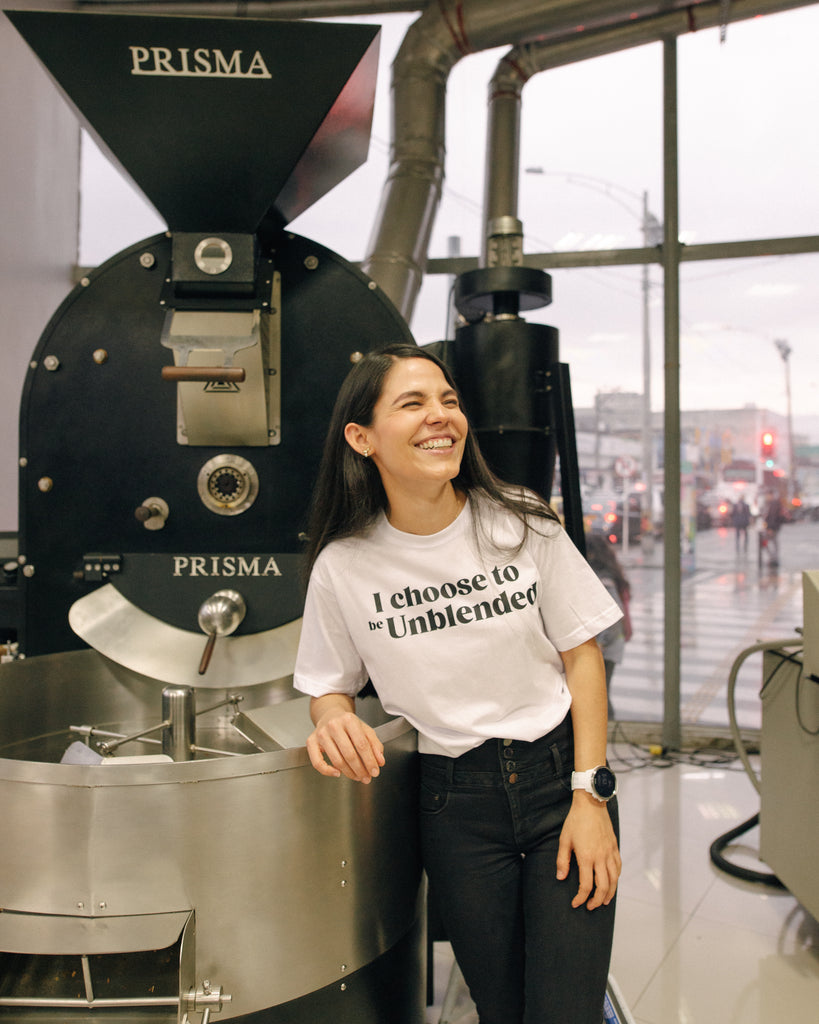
[{"x": 39, "y": 216}]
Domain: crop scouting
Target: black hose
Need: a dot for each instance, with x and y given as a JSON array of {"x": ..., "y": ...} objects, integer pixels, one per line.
[{"x": 747, "y": 874}]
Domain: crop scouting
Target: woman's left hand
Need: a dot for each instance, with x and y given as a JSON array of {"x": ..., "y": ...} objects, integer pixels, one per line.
[{"x": 588, "y": 834}]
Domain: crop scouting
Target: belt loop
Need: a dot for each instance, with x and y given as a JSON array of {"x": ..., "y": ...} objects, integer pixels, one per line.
[
  {"x": 557, "y": 759},
  {"x": 450, "y": 769}
]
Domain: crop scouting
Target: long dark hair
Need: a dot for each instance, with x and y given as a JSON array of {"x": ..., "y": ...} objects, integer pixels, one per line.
[
  {"x": 349, "y": 495},
  {"x": 602, "y": 557}
]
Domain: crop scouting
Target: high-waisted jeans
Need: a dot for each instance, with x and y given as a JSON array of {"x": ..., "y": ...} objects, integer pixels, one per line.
[{"x": 490, "y": 825}]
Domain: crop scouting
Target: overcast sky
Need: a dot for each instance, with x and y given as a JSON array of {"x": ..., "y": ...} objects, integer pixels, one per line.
[{"x": 749, "y": 167}]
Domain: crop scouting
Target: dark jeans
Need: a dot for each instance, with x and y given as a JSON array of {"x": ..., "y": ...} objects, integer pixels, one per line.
[{"x": 490, "y": 825}]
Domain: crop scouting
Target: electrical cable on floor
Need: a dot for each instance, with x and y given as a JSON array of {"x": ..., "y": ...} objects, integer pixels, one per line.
[
  {"x": 719, "y": 844},
  {"x": 746, "y": 874}
]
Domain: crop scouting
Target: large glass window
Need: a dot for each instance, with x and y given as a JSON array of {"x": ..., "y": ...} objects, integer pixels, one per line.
[{"x": 592, "y": 180}]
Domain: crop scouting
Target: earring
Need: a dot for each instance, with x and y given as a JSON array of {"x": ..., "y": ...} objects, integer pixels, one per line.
[{"x": 366, "y": 452}]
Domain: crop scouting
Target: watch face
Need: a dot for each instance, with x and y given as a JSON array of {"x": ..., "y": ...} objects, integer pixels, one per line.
[{"x": 604, "y": 783}]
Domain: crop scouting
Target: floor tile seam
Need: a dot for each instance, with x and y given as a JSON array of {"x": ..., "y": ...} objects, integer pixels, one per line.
[
  {"x": 660, "y": 965},
  {"x": 762, "y": 932}
]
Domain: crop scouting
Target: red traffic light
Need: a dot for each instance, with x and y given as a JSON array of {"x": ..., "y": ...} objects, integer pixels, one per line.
[{"x": 768, "y": 441}]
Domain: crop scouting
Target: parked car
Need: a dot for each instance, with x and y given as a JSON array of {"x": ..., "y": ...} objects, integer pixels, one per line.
[
  {"x": 714, "y": 509},
  {"x": 603, "y": 513},
  {"x": 808, "y": 507}
]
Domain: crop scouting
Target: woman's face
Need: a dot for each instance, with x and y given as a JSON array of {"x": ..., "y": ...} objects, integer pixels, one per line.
[{"x": 418, "y": 430}]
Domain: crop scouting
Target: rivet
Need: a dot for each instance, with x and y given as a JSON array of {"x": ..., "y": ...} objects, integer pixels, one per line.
[
  {"x": 372, "y": 286},
  {"x": 51, "y": 363},
  {"x": 103, "y": 905},
  {"x": 100, "y": 356},
  {"x": 28, "y": 571},
  {"x": 344, "y": 863},
  {"x": 23, "y": 461},
  {"x": 45, "y": 483},
  {"x": 343, "y": 986},
  {"x": 80, "y": 905},
  {"x": 343, "y": 968},
  {"x": 356, "y": 357},
  {"x": 147, "y": 260},
  {"x": 343, "y": 883},
  {"x": 85, "y": 282},
  {"x": 311, "y": 262}
]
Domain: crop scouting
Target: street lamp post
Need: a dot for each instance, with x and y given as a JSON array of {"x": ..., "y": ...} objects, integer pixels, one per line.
[
  {"x": 784, "y": 350},
  {"x": 652, "y": 231}
]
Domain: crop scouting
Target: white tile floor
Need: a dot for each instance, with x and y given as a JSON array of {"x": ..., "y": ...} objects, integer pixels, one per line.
[{"x": 694, "y": 945}]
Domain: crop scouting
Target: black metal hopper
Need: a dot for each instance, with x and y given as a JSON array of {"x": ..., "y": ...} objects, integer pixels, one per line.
[{"x": 222, "y": 123}]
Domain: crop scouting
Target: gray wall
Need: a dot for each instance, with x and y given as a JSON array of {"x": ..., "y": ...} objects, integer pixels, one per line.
[{"x": 39, "y": 216}]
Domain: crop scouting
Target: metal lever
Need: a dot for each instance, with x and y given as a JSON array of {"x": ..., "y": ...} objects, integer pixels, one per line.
[
  {"x": 152, "y": 513},
  {"x": 219, "y": 615}
]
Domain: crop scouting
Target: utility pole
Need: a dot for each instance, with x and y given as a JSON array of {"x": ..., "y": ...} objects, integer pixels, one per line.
[
  {"x": 784, "y": 350},
  {"x": 652, "y": 236}
]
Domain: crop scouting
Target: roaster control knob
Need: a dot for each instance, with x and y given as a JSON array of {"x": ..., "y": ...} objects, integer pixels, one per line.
[{"x": 152, "y": 513}]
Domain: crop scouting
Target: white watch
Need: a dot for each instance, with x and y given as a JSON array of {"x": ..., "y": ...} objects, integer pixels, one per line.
[{"x": 601, "y": 782}]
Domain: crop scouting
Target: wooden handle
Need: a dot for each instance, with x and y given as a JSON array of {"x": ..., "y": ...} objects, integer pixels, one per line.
[
  {"x": 233, "y": 374},
  {"x": 203, "y": 664}
]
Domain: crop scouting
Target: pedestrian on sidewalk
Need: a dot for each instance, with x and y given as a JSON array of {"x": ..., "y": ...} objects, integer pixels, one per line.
[
  {"x": 741, "y": 520},
  {"x": 774, "y": 518},
  {"x": 602, "y": 557}
]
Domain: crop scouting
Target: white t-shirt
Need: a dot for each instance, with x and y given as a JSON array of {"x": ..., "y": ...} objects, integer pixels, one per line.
[{"x": 463, "y": 645}]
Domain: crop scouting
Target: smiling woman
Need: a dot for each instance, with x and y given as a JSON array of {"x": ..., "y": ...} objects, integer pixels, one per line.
[
  {"x": 416, "y": 440},
  {"x": 465, "y": 603}
]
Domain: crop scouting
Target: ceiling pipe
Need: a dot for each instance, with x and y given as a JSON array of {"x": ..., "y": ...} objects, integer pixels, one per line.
[
  {"x": 521, "y": 63},
  {"x": 274, "y": 9},
  {"x": 434, "y": 43}
]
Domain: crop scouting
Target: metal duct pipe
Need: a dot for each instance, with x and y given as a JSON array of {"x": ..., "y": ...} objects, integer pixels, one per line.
[
  {"x": 443, "y": 34},
  {"x": 525, "y": 60},
  {"x": 278, "y": 10}
]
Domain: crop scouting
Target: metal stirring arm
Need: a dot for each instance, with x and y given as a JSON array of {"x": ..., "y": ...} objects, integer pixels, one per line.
[{"x": 178, "y": 726}]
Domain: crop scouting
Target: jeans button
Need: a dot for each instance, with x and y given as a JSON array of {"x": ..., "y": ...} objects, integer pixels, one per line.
[
  {"x": 508, "y": 752},
  {"x": 513, "y": 778},
  {"x": 510, "y": 766}
]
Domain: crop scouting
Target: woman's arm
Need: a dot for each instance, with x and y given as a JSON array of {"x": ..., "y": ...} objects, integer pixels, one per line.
[
  {"x": 340, "y": 736},
  {"x": 587, "y": 831}
]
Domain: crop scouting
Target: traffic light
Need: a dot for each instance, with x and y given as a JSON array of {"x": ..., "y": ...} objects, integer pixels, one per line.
[{"x": 768, "y": 446}]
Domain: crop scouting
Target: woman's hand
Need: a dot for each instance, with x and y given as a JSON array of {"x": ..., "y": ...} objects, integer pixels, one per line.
[
  {"x": 589, "y": 835},
  {"x": 341, "y": 738}
]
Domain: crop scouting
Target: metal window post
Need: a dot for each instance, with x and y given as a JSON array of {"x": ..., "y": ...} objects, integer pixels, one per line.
[{"x": 672, "y": 733}]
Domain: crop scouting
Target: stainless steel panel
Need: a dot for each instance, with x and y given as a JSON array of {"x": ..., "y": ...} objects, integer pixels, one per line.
[
  {"x": 295, "y": 880},
  {"x": 114, "y": 626}
]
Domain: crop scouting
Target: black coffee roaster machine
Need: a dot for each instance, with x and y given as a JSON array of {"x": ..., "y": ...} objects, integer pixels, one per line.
[{"x": 168, "y": 852}]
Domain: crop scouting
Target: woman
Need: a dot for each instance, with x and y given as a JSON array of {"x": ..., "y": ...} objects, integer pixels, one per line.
[{"x": 472, "y": 613}]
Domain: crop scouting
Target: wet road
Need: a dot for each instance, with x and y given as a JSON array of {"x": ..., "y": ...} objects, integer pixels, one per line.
[{"x": 730, "y": 600}]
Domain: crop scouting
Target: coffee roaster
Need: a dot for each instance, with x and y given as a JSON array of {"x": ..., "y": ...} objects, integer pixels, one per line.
[{"x": 169, "y": 853}]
